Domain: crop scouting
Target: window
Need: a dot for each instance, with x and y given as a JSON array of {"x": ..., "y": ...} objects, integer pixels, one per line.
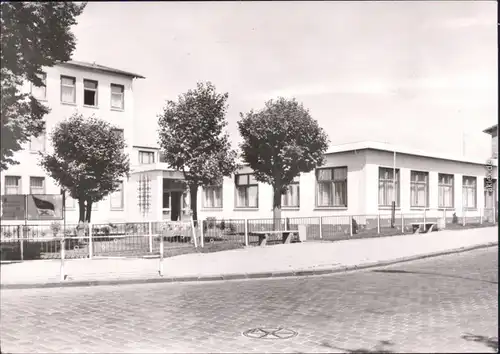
[
  {"x": 247, "y": 191},
  {"x": 37, "y": 185},
  {"x": 12, "y": 185},
  {"x": 331, "y": 187},
  {"x": 117, "y": 198},
  {"x": 292, "y": 196},
  {"x": 490, "y": 193},
  {"x": 146, "y": 157},
  {"x": 37, "y": 143},
  {"x": 68, "y": 89},
  {"x": 445, "y": 191},
  {"x": 212, "y": 197},
  {"x": 419, "y": 189},
  {"x": 469, "y": 192},
  {"x": 386, "y": 187},
  {"x": 90, "y": 93},
  {"x": 118, "y": 132},
  {"x": 117, "y": 96},
  {"x": 95, "y": 206},
  {"x": 40, "y": 92}
]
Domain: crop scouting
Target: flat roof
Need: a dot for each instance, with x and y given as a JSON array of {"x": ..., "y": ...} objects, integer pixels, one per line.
[
  {"x": 491, "y": 130},
  {"x": 102, "y": 68},
  {"x": 145, "y": 147},
  {"x": 375, "y": 145}
]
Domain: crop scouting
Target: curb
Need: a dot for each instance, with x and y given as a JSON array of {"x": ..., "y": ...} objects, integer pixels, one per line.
[{"x": 280, "y": 274}]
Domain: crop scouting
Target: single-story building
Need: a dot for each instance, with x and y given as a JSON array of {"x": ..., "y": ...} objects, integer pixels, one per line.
[{"x": 356, "y": 179}]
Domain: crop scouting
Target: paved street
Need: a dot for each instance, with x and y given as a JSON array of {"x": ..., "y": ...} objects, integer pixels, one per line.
[{"x": 446, "y": 304}]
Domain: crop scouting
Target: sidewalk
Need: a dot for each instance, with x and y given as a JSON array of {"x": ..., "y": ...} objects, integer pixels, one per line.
[{"x": 278, "y": 260}]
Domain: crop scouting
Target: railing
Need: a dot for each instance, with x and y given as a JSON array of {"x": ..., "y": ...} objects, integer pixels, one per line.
[{"x": 27, "y": 242}]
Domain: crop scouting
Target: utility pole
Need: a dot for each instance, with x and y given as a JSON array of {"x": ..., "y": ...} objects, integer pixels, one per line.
[{"x": 393, "y": 213}]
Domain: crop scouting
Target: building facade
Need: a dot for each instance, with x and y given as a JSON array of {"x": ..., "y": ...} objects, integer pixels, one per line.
[
  {"x": 356, "y": 179},
  {"x": 72, "y": 87}
]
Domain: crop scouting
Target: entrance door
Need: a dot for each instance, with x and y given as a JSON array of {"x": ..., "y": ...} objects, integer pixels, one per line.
[{"x": 175, "y": 206}]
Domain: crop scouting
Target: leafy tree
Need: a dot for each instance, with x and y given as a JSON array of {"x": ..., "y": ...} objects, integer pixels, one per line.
[
  {"x": 192, "y": 138},
  {"x": 88, "y": 161},
  {"x": 279, "y": 142},
  {"x": 33, "y": 35}
]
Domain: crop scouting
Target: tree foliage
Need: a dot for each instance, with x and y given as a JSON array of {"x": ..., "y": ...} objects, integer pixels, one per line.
[
  {"x": 33, "y": 35},
  {"x": 192, "y": 136},
  {"x": 279, "y": 142},
  {"x": 88, "y": 161}
]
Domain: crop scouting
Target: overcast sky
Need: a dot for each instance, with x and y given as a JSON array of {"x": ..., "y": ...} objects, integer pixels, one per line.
[{"x": 417, "y": 74}]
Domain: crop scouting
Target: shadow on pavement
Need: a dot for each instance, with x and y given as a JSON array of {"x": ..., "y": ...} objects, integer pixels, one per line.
[
  {"x": 396, "y": 271},
  {"x": 381, "y": 347},
  {"x": 490, "y": 342}
]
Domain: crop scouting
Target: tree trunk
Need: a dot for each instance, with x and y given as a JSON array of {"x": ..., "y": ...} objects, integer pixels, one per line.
[
  {"x": 80, "y": 230},
  {"x": 89, "y": 211},
  {"x": 277, "y": 207},
  {"x": 193, "y": 197},
  {"x": 81, "y": 209}
]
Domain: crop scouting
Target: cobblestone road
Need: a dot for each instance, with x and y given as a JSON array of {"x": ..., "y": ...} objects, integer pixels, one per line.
[{"x": 446, "y": 304}]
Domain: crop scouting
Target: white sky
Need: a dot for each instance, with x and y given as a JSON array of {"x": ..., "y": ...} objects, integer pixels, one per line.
[{"x": 419, "y": 74}]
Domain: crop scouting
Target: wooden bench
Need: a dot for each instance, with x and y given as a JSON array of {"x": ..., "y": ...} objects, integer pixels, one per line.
[
  {"x": 426, "y": 227},
  {"x": 286, "y": 235}
]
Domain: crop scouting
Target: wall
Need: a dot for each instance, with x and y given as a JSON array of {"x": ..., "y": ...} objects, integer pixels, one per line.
[
  {"x": 494, "y": 147},
  {"x": 355, "y": 193},
  {"x": 406, "y": 163},
  {"x": 60, "y": 111}
]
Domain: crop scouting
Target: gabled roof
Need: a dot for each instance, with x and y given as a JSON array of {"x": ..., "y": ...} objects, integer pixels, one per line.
[
  {"x": 491, "y": 130},
  {"x": 102, "y": 68},
  {"x": 375, "y": 145}
]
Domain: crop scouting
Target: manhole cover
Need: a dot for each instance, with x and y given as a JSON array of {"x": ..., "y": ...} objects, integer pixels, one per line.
[{"x": 270, "y": 333}]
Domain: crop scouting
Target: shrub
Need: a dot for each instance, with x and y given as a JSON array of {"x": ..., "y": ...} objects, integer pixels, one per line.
[
  {"x": 55, "y": 227},
  {"x": 354, "y": 226},
  {"x": 210, "y": 223},
  {"x": 231, "y": 228}
]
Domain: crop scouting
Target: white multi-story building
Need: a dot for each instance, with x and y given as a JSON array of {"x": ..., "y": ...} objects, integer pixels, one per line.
[{"x": 89, "y": 89}]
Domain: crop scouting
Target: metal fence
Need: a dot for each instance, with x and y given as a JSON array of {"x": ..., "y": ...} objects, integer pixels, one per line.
[{"x": 27, "y": 242}]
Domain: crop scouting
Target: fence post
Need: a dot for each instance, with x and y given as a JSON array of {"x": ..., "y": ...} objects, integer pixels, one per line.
[
  {"x": 350, "y": 225},
  {"x": 425, "y": 212},
  {"x": 63, "y": 246},
  {"x": 463, "y": 216},
  {"x": 481, "y": 216},
  {"x": 320, "y": 227},
  {"x": 378, "y": 224},
  {"x": 246, "y": 232},
  {"x": 160, "y": 270},
  {"x": 91, "y": 243},
  {"x": 402, "y": 223},
  {"x": 202, "y": 236},
  {"x": 20, "y": 237},
  {"x": 150, "y": 236}
]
